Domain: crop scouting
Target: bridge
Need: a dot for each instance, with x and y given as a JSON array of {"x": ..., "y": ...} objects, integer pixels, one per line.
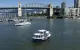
[
  {"x": 49, "y": 8},
  {"x": 29, "y": 6},
  {"x": 24, "y": 8}
]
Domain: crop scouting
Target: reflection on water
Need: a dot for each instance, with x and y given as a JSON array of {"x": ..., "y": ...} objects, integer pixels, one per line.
[{"x": 65, "y": 35}]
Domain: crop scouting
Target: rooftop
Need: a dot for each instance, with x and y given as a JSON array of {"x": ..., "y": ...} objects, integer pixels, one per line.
[
  {"x": 42, "y": 30},
  {"x": 38, "y": 34}
]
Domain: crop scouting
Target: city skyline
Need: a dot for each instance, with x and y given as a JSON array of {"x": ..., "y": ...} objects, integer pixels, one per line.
[{"x": 10, "y": 3}]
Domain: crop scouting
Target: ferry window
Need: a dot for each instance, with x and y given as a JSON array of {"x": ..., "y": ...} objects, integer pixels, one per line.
[
  {"x": 39, "y": 36},
  {"x": 41, "y": 32},
  {"x": 36, "y": 36}
]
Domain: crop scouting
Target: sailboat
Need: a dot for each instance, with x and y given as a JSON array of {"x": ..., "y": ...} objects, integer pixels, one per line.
[{"x": 20, "y": 21}]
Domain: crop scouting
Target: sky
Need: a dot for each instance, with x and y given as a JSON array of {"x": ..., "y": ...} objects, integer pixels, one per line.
[{"x": 14, "y": 3}]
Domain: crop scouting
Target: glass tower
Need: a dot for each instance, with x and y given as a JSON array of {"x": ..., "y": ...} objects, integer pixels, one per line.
[{"x": 76, "y": 3}]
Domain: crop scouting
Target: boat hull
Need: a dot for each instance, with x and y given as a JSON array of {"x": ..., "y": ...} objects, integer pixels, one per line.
[
  {"x": 39, "y": 40},
  {"x": 21, "y": 24}
]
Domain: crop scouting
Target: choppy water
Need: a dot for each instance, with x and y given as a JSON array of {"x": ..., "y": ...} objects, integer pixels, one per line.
[{"x": 65, "y": 35}]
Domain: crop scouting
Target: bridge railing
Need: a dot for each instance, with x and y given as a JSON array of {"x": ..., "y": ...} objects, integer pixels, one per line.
[{"x": 36, "y": 5}]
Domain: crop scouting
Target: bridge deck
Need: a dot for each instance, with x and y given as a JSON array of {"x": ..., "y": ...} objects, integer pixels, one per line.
[{"x": 24, "y": 8}]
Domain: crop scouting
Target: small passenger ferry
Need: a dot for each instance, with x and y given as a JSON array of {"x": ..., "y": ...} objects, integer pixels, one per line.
[{"x": 41, "y": 35}]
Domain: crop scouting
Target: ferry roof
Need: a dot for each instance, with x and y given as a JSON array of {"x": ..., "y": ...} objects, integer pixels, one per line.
[
  {"x": 41, "y": 30},
  {"x": 38, "y": 34}
]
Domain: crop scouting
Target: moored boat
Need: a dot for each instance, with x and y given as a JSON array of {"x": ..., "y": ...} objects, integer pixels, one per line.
[{"x": 21, "y": 23}]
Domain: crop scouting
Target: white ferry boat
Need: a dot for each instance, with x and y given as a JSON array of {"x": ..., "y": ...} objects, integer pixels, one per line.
[{"x": 41, "y": 36}]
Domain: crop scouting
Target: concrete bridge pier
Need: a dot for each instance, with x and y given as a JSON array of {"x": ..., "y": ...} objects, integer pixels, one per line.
[
  {"x": 19, "y": 10},
  {"x": 50, "y": 11}
]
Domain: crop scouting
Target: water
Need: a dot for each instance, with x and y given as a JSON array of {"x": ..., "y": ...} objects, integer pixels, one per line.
[{"x": 65, "y": 35}]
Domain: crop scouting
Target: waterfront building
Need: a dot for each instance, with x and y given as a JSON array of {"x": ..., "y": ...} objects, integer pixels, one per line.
[
  {"x": 76, "y": 3},
  {"x": 63, "y": 6},
  {"x": 72, "y": 12}
]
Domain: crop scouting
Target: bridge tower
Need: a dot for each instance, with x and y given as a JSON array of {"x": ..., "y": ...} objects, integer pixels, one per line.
[
  {"x": 19, "y": 10},
  {"x": 50, "y": 11}
]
